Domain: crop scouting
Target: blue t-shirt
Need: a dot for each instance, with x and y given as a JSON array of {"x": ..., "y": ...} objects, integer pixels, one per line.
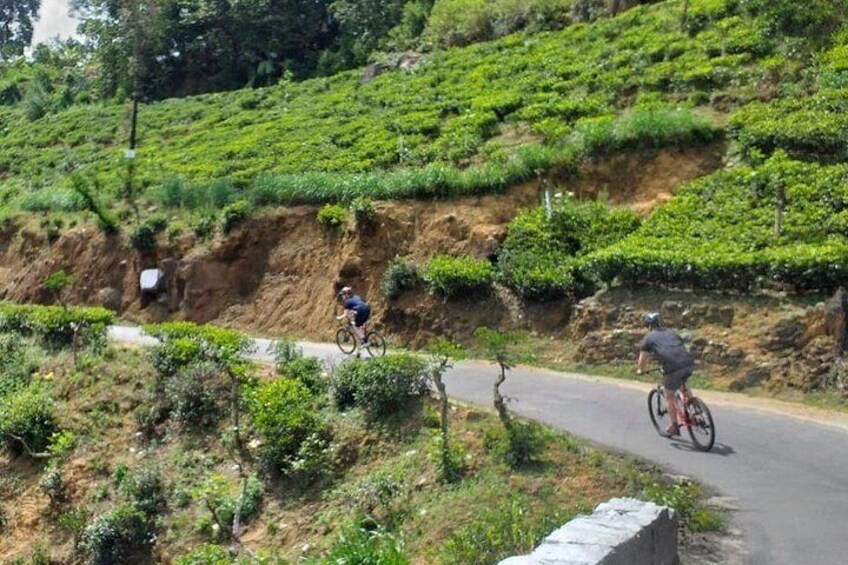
[{"x": 356, "y": 304}]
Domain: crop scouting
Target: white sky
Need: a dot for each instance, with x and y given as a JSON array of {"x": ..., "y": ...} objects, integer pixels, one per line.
[{"x": 55, "y": 20}]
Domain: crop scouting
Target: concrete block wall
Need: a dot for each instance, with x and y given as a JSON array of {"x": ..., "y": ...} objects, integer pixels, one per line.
[{"x": 623, "y": 531}]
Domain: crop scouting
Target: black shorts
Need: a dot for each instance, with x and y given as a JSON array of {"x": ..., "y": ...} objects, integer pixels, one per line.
[
  {"x": 362, "y": 317},
  {"x": 673, "y": 380}
]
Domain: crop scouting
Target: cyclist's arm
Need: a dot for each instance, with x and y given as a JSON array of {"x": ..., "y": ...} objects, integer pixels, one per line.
[
  {"x": 644, "y": 358},
  {"x": 346, "y": 314}
]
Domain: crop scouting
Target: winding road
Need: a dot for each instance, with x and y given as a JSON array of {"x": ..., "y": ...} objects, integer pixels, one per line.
[{"x": 785, "y": 466}]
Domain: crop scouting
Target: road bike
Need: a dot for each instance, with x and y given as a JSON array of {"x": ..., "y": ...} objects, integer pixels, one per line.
[
  {"x": 348, "y": 341},
  {"x": 696, "y": 416}
]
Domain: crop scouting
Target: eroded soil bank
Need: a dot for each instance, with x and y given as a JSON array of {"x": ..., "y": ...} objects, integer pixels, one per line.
[{"x": 278, "y": 273}]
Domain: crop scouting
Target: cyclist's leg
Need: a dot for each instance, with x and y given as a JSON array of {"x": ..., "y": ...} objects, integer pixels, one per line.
[
  {"x": 671, "y": 383},
  {"x": 359, "y": 325}
]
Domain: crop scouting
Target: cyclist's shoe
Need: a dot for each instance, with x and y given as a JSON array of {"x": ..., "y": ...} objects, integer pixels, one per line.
[
  {"x": 366, "y": 344},
  {"x": 672, "y": 430}
]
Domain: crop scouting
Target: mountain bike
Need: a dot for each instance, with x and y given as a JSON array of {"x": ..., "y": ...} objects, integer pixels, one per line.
[
  {"x": 696, "y": 417},
  {"x": 348, "y": 341}
]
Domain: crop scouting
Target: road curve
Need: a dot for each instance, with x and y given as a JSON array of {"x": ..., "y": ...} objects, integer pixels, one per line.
[{"x": 788, "y": 473}]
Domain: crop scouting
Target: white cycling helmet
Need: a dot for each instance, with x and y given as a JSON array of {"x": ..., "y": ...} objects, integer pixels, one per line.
[{"x": 346, "y": 290}]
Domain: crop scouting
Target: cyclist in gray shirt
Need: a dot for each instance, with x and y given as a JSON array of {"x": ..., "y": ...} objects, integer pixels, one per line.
[{"x": 677, "y": 364}]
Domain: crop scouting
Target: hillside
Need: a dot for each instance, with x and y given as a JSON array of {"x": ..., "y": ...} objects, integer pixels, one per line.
[
  {"x": 497, "y": 111},
  {"x": 684, "y": 148},
  {"x": 113, "y": 455}
]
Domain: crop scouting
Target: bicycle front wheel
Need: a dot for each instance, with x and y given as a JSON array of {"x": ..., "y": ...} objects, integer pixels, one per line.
[
  {"x": 658, "y": 411},
  {"x": 346, "y": 341},
  {"x": 376, "y": 344},
  {"x": 701, "y": 428}
]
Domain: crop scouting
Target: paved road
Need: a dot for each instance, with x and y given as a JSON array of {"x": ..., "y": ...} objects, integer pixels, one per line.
[{"x": 788, "y": 474}]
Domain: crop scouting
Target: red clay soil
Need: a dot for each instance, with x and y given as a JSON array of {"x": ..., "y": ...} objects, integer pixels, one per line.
[{"x": 278, "y": 272}]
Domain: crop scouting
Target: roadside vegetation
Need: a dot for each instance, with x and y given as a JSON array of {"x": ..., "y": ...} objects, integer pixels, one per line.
[{"x": 187, "y": 450}]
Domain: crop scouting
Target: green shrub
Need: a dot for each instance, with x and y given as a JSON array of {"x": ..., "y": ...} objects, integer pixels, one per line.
[
  {"x": 221, "y": 497},
  {"x": 27, "y": 414},
  {"x": 644, "y": 127},
  {"x": 538, "y": 257},
  {"x": 687, "y": 500},
  {"x": 205, "y": 227},
  {"x": 461, "y": 22},
  {"x": 382, "y": 386},
  {"x": 116, "y": 535},
  {"x": 15, "y": 364},
  {"x": 285, "y": 351},
  {"x": 56, "y": 326},
  {"x": 234, "y": 215},
  {"x": 283, "y": 414},
  {"x": 182, "y": 343},
  {"x": 512, "y": 527},
  {"x": 53, "y": 485},
  {"x": 306, "y": 370},
  {"x": 356, "y": 544},
  {"x": 517, "y": 445},
  {"x": 193, "y": 394},
  {"x": 143, "y": 237},
  {"x": 364, "y": 213},
  {"x": 206, "y": 554},
  {"x": 146, "y": 489},
  {"x": 332, "y": 216},
  {"x": 459, "y": 277},
  {"x": 719, "y": 233},
  {"x": 400, "y": 276},
  {"x": 171, "y": 356}
]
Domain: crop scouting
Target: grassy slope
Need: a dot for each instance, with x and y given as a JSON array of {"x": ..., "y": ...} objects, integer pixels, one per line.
[
  {"x": 452, "y": 110},
  {"x": 391, "y": 463}
]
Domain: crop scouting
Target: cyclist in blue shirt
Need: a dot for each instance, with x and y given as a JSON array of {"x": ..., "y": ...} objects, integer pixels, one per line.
[{"x": 356, "y": 309}]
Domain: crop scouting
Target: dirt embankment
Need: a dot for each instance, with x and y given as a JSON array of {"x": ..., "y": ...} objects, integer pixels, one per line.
[{"x": 278, "y": 272}]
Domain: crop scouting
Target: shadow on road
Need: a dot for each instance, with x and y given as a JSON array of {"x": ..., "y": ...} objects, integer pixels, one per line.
[{"x": 718, "y": 449}]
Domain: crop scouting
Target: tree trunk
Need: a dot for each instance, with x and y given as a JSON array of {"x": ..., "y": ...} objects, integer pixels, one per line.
[{"x": 500, "y": 403}]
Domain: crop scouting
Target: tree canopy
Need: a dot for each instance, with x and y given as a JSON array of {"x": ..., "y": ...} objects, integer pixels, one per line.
[{"x": 17, "y": 18}]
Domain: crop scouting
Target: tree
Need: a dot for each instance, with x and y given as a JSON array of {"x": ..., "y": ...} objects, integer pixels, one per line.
[
  {"x": 521, "y": 441},
  {"x": 17, "y": 19},
  {"x": 443, "y": 353}
]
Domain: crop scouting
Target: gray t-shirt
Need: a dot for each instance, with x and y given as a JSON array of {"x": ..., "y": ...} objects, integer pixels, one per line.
[{"x": 669, "y": 349}]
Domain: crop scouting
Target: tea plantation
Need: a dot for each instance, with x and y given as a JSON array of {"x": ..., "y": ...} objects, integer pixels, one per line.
[{"x": 482, "y": 118}]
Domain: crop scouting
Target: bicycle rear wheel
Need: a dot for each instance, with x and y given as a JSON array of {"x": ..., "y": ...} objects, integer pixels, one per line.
[
  {"x": 702, "y": 427},
  {"x": 376, "y": 344},
  {"x": 658, "y": 411},
  {"x": 346, "y": 341}
]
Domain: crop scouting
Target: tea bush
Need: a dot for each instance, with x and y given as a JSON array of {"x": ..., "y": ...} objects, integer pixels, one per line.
[
  {"x": 538, "y": 258},
  {"x": 400, "y": 276},
  {"x": 16, "y": 366},
  {"x": 143, "y": 238},
  {"x": 27, "y": 414},
  {"x": 206, "y": 554},
  {"x": 381, "y": 386},
  {"x": 358, "y": 544},
  {"x": 412, "y": 134},
  {"x": 332, "y": 216},
  {"x": 116, "y": 535},
  {"x": 182, "y": 343},
  {"x": 459, "y": 277},
  {"x": 221, "y": 497},
  {"x": 308, "y": 371},
  {"x": 193, "y": 394},
  {"x": 283, "y": 414},
  {"x": 234, "y": 215},
  {"x": 364, "y": 213},
  {"x": 146, "y": 489},
  {"x": 56, "y": 326},
  {"x": 719, "y": 232}
]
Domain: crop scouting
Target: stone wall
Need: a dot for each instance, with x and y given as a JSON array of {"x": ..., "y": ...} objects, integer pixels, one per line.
[{"x": 623, "y": 531}]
